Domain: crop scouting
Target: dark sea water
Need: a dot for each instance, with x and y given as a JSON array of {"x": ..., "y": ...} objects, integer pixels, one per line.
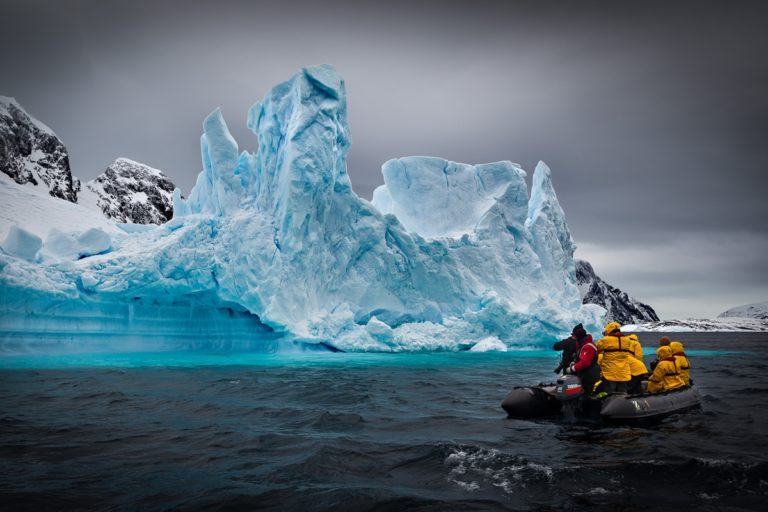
[{"x": 321, "y": 431}]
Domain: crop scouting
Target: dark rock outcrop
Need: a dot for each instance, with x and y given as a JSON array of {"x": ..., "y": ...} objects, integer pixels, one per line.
[
  {"x": 134, "y": 193},
  {"x": 621, "y": 307},
  {"x": 31, "y": 153}
]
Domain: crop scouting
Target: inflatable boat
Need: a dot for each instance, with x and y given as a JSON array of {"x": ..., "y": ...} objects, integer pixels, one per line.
[{"x": 567, "y": 397}]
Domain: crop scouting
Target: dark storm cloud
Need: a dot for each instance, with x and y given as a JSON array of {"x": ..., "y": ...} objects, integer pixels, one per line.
[{"x": 652, "y": 116}]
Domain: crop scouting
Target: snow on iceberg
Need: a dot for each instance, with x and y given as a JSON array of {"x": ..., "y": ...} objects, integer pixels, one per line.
[
  {"x": 456, "y": 254},
  {"x": 21, "y": 243},
  {"x": 69, "y": 245}
]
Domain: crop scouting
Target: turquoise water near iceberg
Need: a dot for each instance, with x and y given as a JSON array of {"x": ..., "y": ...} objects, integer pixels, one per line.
[{"x": 321, "y": 431}]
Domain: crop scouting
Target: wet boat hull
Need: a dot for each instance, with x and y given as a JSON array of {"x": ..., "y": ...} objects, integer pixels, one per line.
[
  {"x": 532, "y": 402},
  {"x": 649, "y": 408},
  {"x": 619, "y": 408}
]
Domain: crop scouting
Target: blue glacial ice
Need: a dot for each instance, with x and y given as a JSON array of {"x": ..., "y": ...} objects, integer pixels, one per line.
[{"x": 275, "y": 249}]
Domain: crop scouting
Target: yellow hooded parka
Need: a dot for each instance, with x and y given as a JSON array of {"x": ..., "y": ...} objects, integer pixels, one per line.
[
  {"x": 683, "y": 365},
  {"x": 666, "y": 375},
  {"x": 636, "y": 364},
  {"x": 615, "y": 350}
]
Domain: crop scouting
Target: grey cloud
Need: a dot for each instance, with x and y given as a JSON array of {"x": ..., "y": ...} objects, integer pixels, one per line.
[{"x": 652, "y": 116}]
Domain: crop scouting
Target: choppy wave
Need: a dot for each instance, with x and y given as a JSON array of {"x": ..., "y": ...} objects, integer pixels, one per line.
[{"x": 364, "y": 432}]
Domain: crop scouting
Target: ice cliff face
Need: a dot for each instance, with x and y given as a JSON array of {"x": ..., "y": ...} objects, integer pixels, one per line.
[
  {"x": 278, "y": 238},
  {"x": 758, "y": 310},
  {"x": 31, "y": 153},
  {"x": 132, "y": 192},
  {"x": 620, "y": 307}
]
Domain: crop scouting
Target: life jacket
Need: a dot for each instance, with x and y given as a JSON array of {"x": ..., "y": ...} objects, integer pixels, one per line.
[
  {"x": 682, "y": 362},
  {"x": 616, "y": 352},
  {"x": 666, "y": 376},
  {"x": 587, "y": 370},
  {"x": 636, "y": 364},
  {"x": 583, "y": 343}
]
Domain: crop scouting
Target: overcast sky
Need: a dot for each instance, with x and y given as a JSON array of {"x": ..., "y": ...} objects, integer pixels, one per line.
[{"x": 653, "y": 117}]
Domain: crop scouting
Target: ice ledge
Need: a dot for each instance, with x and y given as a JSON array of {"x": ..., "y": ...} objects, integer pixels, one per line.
[{"x": 436, "y": 198}]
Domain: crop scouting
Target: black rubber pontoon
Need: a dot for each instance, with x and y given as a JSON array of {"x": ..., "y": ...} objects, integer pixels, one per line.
[
  {"x": 622, "y": 408},
  {"x": 540, "y": 402},
  {"x": 532, "y": 402}
]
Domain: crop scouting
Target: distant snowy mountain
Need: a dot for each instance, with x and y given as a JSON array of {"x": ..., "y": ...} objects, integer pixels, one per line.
[
  {"x": 751, "y": 317},
  {"x": 701, "y": 325},
  {"x": 621, "y": 307},
  {"x": 131, "y": 192},
  {"x": 758, "y": 310},
  {"x": 31, "y": 153}
]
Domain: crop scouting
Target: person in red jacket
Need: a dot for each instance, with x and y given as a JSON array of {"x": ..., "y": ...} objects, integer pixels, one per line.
[{"x": 585, "y": 366}]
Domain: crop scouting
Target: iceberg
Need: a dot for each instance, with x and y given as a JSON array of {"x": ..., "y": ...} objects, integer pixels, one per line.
[{"x": 274, "y": 248}]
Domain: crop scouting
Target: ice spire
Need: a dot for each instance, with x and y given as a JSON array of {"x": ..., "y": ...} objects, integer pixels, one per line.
[
  {"x": 218, "y": 189},
  {"x": 551, "y": 238}
]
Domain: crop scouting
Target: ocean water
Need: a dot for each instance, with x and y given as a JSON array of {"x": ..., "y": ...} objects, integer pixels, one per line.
[{"x": 322, "y": 431}]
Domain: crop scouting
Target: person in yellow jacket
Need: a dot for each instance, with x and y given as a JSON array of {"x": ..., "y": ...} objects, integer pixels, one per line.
[
  {"x": 637, "y": 367},
  {"x": 666, "y": 375},
  {"x": 683, "y": 365},
  {"x": 614, "y": 364}
]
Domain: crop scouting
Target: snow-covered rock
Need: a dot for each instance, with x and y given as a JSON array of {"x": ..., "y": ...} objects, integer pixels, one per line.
[
  {"x": 757, "y": 310},
  {"x": 701, "y": 325},
  {"x": 31, "y": 153},
  {"x": 620, "y": 307},
  {"x": 279, "y": 239},
  {"x": 131, "y": 192}
]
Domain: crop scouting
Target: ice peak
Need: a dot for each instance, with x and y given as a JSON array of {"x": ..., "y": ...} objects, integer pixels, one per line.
[
  {"x": 544, "y": 203},
  {"x": 326, "y": 78},
  {"x": 551, "y": 238},
  {"x": 218, "y": 188},
  {"x": 219, "y": 148},
  {"x": 542, "y": 191}
]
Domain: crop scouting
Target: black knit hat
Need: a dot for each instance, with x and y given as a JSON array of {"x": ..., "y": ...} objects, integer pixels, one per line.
[{"x": 579, "y": 331}]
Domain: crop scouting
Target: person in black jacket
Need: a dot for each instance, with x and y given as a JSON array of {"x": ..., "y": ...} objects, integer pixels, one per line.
[{"x": 569, "y": 346}]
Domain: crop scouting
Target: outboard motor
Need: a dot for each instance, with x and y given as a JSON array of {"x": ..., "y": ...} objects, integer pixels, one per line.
[{"x": 568, "y": 388}]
